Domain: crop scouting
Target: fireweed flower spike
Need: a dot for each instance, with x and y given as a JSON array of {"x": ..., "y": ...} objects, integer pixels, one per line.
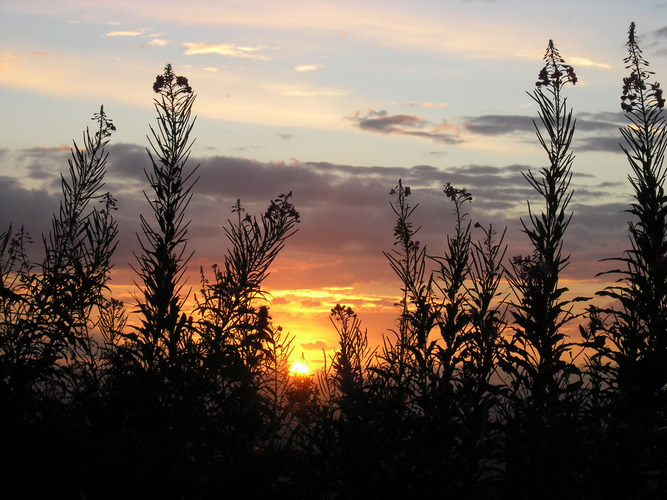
[{"x": 166, "y": 81}]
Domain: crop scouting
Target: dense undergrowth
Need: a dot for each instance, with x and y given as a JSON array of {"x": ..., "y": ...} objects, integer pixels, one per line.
[{"x": 474, "y": 394}]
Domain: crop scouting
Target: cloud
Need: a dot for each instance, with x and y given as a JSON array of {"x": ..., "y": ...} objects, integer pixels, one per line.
[
  {"x": 594, "y": 131},
  {"x": 495, "y": 125},
  {"x": 428, "y": 105},
  {"x": 308, "y": 303},
  {"x": 308, "y": 67},
  {"x": 582, "y": 61},
  {"x": 406, "y": 125},
  {"x": 608, "y": 144},
  {"x": 225, "y": 49},
  {"x": 158, "y": 42},
  {"x": 319, "y": 345},
  {"x": 124, "y": 33},
  {"x": 30, "y": 208},
  {"x": 285, "y": 137}
]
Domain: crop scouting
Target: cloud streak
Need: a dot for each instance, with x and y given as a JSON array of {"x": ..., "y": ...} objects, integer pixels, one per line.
[
  {"x": 406, "y": 125},
  {"x": 225, "y": 49},
  {"x": 302, "y": 68},
  {"x": 124, "y": 33}
]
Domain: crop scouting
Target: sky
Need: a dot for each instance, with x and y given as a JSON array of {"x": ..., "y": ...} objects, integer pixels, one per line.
[{"x": 335, "y": 102}]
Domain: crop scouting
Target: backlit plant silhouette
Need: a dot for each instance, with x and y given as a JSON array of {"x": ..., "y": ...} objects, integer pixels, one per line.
[
  {"x": 164, "y": 327},
  {"x": 630, "y": 336},
  {"x": 49, "y": 360},
  {"x": 537, "y": 365}
]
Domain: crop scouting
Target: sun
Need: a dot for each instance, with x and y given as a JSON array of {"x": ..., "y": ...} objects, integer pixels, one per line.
[{"x": 299, "y": 368}]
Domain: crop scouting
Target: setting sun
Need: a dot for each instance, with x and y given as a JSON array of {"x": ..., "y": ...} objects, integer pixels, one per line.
[{"x": 299, "y": 368}]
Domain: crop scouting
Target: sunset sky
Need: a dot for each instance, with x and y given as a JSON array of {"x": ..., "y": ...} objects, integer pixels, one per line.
[{"x": 334, "y": 101}]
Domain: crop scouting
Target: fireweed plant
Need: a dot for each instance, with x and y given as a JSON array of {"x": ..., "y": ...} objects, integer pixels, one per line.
[
  {"x": 537, "y": 364},
  {"x": 50, "y": 364},
  {"x": 542, "y": 392},
  {"x": 406, "y": 357},
  {"x": 452, "y": 273},
  {"x": 629, "y": 338},
  {"x": 164, "y": 327},
  {"x": 49, "y": 310}
]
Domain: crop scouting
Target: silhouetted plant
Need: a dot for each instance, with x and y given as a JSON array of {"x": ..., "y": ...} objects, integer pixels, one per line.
[
  {"x": 630, "y": 368},
  {"x": 408, "y": 359},
  {"x": 453, "y": 273},
  {"x": 78, "y": 253},
  {"x": 234, "y": 307},
  {"x": 540, "y": 373},
  {"x": 49, "y": 359},
  {"x": 486, "y": 314},
  {"x": 243, "y": 357},
  {"x": 352, "y": 359},
  {"x": 47, "y": 310},
  {"x": 345, "y": 431},
  {"x": 543, "y": 379},
  {"x": 164, "y": 327},
  {"x": 477, "y": 394}
]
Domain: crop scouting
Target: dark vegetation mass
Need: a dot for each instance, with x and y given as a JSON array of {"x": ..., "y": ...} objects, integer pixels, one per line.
[{"x": 478, "y": 392}]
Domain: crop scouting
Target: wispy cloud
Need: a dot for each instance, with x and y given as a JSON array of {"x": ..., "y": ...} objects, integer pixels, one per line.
[
  {"x": 582, "y": 61},
  {"x": 225, "y": 49},
  {"x": 308, "y": 67},
  {"x": 124, "y": 33},
  {"x": 158, "y": 42},
  {"x": 428, "y": 105}
]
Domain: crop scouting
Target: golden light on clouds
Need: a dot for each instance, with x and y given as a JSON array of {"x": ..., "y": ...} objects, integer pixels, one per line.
[
  {"x": 427, "y": 105},
  {"x": 582, "y": 61},
  {"x": 308, "y": 67},
  {"x": 158, "y": 42},
  {"x": 225, "y": 49},
  {"x": 124, "y": 33}
]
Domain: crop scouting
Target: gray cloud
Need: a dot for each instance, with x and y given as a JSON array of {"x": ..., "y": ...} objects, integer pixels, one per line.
[
  {"x": 346, "y": 218},
  {"x": 498, "y": 124},
  {"x": 595, "y": 131},
  {"x": 407, "y": 125}
]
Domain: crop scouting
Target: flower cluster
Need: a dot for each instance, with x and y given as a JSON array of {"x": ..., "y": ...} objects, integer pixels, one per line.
[
  {"x": 555, "y": 73},
  {"x": 406, "y": 190},
  {"x": 106, "y": 125},
  {"x": 282, "y": 208},
  {"x": 456, "y": 194},
  {"x": 165, "y": 80},
  {"x": 633, "y": 86},
  {"x": 342, "y": 310},
  {"x": 559, "y": 74}
]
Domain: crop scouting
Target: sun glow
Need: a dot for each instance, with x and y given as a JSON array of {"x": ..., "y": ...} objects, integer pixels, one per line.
[{"x": 299, "y": 368}]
